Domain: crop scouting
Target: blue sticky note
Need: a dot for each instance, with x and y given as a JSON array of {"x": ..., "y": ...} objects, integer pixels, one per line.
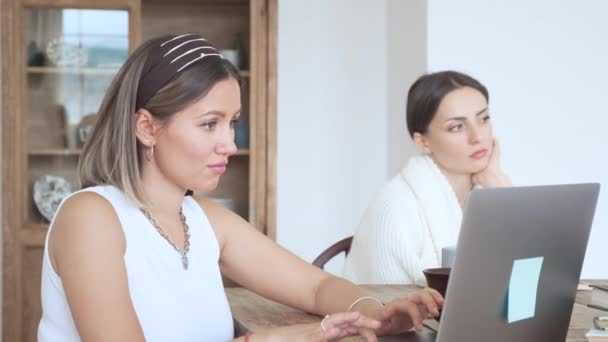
[{"x": 523, "y": 287}]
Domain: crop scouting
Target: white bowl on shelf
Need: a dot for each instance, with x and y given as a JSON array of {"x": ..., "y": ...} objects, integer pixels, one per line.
[{"x": 49, "y": 191}]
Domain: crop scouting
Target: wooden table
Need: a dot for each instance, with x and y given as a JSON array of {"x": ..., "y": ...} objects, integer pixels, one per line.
[
  {"x": 253, "y": 313},
  {"x": 598, "y": 298}
]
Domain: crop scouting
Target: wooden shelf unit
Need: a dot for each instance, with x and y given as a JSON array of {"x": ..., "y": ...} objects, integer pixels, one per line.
[
  {"x": 249, "y": 179},
  {"x": 88, "y": 71},
  {"x": 74, "y": 71},
  {"x": 53, "y": 152}
]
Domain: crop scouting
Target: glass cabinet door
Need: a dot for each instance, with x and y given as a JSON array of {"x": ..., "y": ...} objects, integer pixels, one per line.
[{"x": 72, "y": 57}]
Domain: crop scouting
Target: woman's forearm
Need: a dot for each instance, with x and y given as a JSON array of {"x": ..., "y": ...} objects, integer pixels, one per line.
[{"x": 337, "y": 295}]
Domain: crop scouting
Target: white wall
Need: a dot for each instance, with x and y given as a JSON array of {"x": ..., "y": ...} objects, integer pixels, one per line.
[
  {"x": 406, "y": 60},
  {"x": 332, "y": 143},
  {"x": 546, "y": 66}
]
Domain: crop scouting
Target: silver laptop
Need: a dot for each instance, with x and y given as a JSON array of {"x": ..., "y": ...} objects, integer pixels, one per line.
[{"x": 518, "y": 263}]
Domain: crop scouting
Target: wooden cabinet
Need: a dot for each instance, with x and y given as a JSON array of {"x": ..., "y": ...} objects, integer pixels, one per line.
[{"x": 58, "y": 58}]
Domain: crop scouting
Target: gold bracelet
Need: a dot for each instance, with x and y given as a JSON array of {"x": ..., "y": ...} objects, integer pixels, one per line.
[{"x": 363, "y": 298}]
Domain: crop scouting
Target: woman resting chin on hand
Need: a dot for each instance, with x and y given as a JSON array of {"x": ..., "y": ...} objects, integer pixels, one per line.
[{"x": 419, "y": 211}]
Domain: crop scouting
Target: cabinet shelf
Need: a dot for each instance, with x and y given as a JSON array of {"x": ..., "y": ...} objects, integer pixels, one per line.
[
  {"x": 72, "y": 71},
  {"x": 55, "y": 152},
  {"x": 89, "y": 71},
  {"x": 50, "y": 152}
]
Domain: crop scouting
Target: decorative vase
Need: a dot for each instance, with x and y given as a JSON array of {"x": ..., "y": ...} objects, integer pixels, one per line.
[{"x": 241, "y": 134}]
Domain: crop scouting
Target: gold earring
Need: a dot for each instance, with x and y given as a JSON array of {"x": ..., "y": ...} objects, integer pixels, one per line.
[{"x": 150, "y": 152}]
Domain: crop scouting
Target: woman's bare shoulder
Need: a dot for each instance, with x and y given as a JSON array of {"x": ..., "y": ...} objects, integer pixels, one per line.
[{"x": 85, "y": 222}]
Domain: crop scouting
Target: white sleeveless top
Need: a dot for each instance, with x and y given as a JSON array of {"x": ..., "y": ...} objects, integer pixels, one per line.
[{"x": 172, "y": 304}]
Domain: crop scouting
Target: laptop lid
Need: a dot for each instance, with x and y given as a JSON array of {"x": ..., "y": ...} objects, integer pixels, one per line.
[{"x": 508, "y": 237}]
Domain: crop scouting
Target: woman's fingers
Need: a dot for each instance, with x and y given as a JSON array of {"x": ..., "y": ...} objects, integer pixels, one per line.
[
  {"x": 352, "y": 330},
  {"x": 496, "y": 148},
  {"x": 333, "y": 326},
  {"x": 320, "y": 335},
  {"x": 437, "y": 296},
  {"x": 363, "y": 322},
  {"x": 412, "y": 311},
  {"x": 406, "y": 307},
  {"x": 426, "y": 300},
  {"x": 369, "y": 335},
  {"x": 347, "y": 324},
  {"x": 339, "y": 320}
]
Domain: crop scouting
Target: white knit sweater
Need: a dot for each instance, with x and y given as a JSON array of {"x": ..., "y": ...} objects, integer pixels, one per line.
[{"x": 405, "y": 226}]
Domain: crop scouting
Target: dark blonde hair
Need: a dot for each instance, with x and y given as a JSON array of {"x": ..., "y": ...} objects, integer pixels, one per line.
[{"x": 111, "y": 155}]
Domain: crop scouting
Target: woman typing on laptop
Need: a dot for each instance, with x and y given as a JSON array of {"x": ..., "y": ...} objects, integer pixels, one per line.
[
  {"x": 130, "y": 258},
  {"x": 419, "y": 211}
]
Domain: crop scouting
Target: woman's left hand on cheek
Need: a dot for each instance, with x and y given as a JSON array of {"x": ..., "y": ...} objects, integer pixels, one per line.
[
  {"x": 492, "y": 176},
  {"x": 404, "y": 314}
]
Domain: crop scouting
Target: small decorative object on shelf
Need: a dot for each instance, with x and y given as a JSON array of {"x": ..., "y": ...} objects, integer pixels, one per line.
[
  {"x": 85, "y": 128},
  {"x": 35, "y": 56},
  {"x": 65, "y": 54},
  {"x": 84, "y": 132},
  {"x": 60, "y": 115},
  {"x": 236, "y": 54},
  {"x": 49, "y": 191},
  {"x": 241, "y": 134},
  {"x": 232, "y": 56},
  {"x": 239, "y": 46}
]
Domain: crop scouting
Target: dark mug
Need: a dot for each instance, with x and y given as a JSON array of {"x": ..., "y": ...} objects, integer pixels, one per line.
[{"x": 437, "y": 279}]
